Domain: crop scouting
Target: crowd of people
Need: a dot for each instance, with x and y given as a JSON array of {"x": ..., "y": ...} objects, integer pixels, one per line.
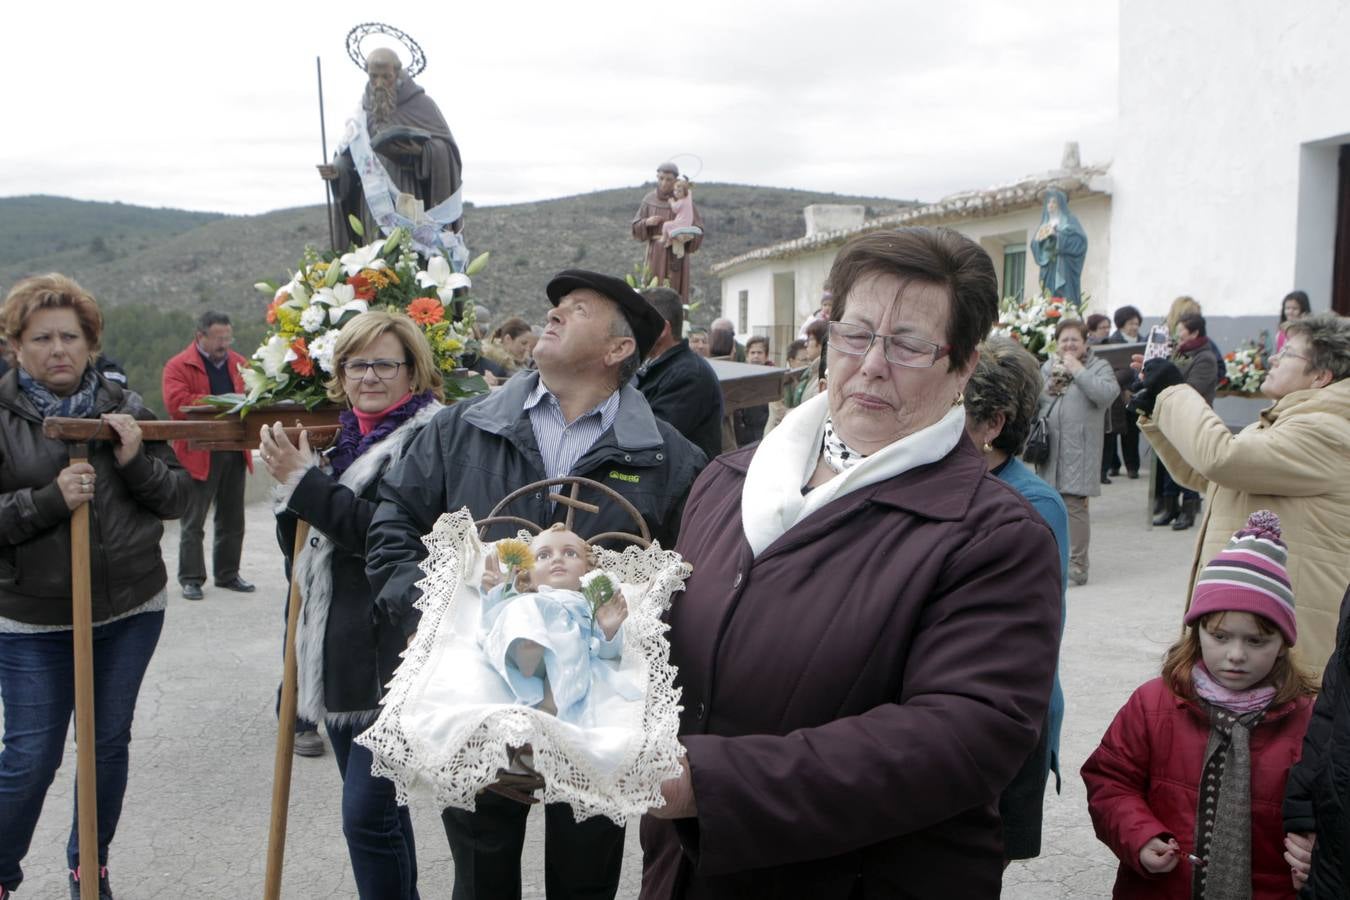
[{"x": 894, "y": 740}]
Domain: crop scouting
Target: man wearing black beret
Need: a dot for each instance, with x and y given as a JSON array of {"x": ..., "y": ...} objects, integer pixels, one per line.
[{"x": 576, "y": 415}]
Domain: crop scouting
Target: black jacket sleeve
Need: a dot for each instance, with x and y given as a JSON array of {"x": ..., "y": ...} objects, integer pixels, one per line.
[
  {"x": 1300, "y": 791},
  {"x": 411, "y": 499}
]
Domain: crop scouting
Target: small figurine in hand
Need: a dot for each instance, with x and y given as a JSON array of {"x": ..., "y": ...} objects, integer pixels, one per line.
[{"x": 545, "y": 633}]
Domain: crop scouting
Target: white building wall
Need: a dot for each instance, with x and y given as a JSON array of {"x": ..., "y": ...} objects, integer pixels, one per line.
[
  {"x": 1231, "y": 112},
  {"x": 810, "y": 270}
]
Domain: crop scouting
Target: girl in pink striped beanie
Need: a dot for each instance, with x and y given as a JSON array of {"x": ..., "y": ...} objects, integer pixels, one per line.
[{"x": 1187, "y": 784}]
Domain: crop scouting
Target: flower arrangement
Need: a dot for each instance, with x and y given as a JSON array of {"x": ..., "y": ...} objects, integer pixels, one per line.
[
  {"x": 1245, "y": 369},
  {"x": 1031, "y": 321},
  {"x": 306, "y": 314}
]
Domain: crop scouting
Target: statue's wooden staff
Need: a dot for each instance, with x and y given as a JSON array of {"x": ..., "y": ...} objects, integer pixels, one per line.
[
  {"x": 220, "y": 434},
  {"x": 520, "y": 786},
  {"x": 323, "y": 141}
]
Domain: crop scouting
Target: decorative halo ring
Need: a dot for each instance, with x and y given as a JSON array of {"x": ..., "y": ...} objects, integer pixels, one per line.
[
  {"x": 417, "y": 59},
  {"x": 696, "y": 158}
]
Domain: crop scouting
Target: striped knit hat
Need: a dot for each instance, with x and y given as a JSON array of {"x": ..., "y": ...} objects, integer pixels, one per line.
[{"x": 1249, "y": 575}]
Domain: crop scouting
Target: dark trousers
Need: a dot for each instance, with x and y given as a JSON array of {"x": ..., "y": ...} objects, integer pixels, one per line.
[
  {"x": 37, "y": 685},
  {"x": 1170, "y": 488},
  {"x": 225, "y": 487},
  {"x": 1129, "y": 449},
  {"x": 581, "y": 859},
  {"x": 378, "y": 831}
]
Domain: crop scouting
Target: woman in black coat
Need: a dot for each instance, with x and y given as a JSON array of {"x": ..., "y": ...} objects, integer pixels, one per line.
[{"x": 346, "y": 650}]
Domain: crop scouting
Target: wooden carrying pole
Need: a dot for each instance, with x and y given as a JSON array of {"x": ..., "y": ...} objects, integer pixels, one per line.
[
  {"x": 281, "y": 772},
  {"x": 82, "y": 618}
]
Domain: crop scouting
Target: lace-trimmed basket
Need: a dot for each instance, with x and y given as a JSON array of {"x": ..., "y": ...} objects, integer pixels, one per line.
[{"x": 446, "y": 724}]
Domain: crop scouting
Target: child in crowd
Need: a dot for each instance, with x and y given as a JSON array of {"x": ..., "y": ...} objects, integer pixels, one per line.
[
  {"x": 1187, "y": 784},
  {"x": 540, "y": 633},
  {"x": 681, "y": 229}
]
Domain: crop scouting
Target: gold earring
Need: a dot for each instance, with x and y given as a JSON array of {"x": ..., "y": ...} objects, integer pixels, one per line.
[
  {"x": 960, "y": 399},
  {"x": 988, "y": 446}
]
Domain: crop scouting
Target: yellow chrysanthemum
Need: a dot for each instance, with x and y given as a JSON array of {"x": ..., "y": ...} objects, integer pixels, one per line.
[{"x": 515, "y": 553}]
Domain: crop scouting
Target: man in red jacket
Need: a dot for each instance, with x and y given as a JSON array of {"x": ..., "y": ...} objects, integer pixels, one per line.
[{"x": 209, "y": 366}]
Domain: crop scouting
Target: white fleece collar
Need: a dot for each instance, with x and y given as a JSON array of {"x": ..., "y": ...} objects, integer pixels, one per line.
[{"x": 772, "y": 500}]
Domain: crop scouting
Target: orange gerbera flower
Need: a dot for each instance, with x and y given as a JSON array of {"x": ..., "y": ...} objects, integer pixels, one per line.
[
  {"x": 303, "y": 365},
  {"x": 426, "y": 311},
  {"x": 1053, "y": 313},
  {"x": 275, "y": 305}
]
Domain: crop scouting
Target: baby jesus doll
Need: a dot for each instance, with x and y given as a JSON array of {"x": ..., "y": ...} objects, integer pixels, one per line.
[
  {"x": 548, "y": 628},
  {"x": 681, "y": 229}
]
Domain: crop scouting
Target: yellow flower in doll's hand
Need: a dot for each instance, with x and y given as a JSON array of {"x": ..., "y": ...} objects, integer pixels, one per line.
[{"x": 515, "y": 554}]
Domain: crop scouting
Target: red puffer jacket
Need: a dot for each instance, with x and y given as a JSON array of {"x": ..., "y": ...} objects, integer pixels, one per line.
[{"x": 1143, "y": 782}]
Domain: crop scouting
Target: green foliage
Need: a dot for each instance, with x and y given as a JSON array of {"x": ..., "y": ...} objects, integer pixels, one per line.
[
  {"x": 142, "y": 339},
  {"x": 38, "y": 227}
]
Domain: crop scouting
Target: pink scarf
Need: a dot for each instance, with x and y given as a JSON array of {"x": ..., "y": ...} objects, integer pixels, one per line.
[
  {"x": 1239, "y": 702},
  {"x": 369, "y": 421}
]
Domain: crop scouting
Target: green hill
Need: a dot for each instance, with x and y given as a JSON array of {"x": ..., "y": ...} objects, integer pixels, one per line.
[{"x": 166, "y": 266}]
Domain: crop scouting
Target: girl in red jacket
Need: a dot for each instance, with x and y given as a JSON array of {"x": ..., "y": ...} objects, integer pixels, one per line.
[{"x": 1187, "y": 784}]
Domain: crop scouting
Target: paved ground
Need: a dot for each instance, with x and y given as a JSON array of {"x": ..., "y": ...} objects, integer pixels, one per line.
[{"x": 195, "y": 820}]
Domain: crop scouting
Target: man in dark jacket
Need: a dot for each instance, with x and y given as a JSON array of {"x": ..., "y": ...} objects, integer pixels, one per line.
[
  {"x": 1317, "y": 798},
  {"x": 577, "y": 415},
  {"x": 680, "y": 385}
]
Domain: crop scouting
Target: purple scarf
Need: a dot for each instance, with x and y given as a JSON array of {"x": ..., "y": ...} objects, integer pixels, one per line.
[
  {"x": 351, "y": 443},
  {"x": 1238, "y": 702}
]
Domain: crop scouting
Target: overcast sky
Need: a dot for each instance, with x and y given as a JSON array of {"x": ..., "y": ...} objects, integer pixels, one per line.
[{"x": 214, "y": 106}]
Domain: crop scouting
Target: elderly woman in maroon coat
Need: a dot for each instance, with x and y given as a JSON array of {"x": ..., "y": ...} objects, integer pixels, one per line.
[{"x": 868, "y": 640}]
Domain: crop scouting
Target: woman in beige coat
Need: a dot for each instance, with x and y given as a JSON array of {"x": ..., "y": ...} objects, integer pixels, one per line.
[{"x": 1294, "y": 460}]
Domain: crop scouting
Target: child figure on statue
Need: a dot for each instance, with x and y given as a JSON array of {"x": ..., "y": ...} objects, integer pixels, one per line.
[
  {"x": 681, "y": 229},
  {"x": 548, "y": 641}
]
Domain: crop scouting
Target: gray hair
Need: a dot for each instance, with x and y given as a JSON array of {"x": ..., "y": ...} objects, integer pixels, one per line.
[
  {"x": 1006, "y": 380},
  {"x": 619, "y": 328},
  {"x": 1328, "y": 337}
]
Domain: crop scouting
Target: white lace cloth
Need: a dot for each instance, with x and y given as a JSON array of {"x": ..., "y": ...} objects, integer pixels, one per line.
[{"x": 448, "y": 718}]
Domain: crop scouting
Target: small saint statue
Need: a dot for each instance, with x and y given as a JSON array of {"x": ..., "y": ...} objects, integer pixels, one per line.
[{"x": 668, "y": 258}]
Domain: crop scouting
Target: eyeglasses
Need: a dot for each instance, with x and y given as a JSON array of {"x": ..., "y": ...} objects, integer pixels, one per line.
[
  {"x": 1274, "y": 357},
  {"x": 899, "y": 349},
  {"x": 384, "y": 369}
]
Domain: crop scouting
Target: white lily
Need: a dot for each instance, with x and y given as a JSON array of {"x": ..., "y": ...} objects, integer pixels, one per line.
[
  {"x": 337, "y": 312},
  {"x": 273, "y": 354},
  {"x": 367, "y": 257},
  {"x": 438, "y": 275},
  {"x": 255, "y": 382},
  {"x": 337, "y": 295}
]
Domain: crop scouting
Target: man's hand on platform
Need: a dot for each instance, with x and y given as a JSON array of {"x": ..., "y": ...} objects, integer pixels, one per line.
[{"x": 128, "y": 436}]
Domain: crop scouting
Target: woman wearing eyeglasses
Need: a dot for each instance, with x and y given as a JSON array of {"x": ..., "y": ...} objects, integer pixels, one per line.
[
  {"x": 867, "y": 644},
  {"x": 346, "y": 650}
]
